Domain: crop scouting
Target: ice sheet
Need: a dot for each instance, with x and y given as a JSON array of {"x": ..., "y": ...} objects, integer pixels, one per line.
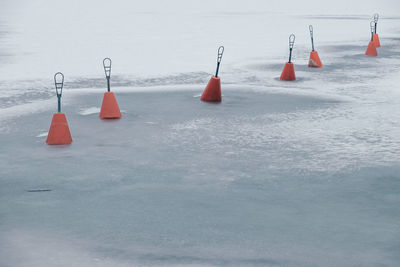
[{"x": 298, "y": 173}]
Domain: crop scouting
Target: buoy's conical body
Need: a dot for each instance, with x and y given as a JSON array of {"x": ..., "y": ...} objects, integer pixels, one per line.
[
  {"x": 109, "y": 107},
  {"x": 212, "y": 93},
  {"x": 376, "y": 40},
  {"x": 371, "y": 50},
  {"x": 288, "y": 72},
  {"x": 59, "y": 133},
  {"x": 314, "y": 61}
]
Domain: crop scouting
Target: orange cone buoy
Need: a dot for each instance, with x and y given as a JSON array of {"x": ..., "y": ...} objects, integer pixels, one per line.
[
  {"x": 371, "y": 49},
  {"x": 109, "y": 106},
  {"x": 212, "y": 93},
  {"x": 288, "y": 71},
  {"x": 59, "y": 133},
  {"x": 377, "y": 43},
  {"x": 376, "y": 37},
  {"x": 314, "y": 61}
]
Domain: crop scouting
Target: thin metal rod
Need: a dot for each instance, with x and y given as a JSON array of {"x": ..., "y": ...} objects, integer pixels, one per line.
[
  {"x": 107, "y": 71},
  {"x": 310, "y": 27},
  {"x": 59, "y": 103},
  {"x": 291, "y": 44},
  {"x": 219, "y": 58},
  {"x": 216, "y": 72},
  {"x": 372, "y": 25},
  {"x": 376, "y": 18}
]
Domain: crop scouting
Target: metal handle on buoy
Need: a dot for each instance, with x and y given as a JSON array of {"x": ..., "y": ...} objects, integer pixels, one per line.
[
  {"x": 59, "y": 83},
  {"x": 107, "y": 71},
  {"x": 219, "y": 58},
  {"x": 372, "y": 25},
  {"x": 376, "y": 17},
  {"x": 310, "y": 27},
  {"x": 292, "y": 37}
]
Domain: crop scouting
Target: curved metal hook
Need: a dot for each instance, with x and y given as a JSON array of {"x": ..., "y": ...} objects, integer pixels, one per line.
[
  {"x": 372, "y": 25},
  {"x": 220, "y": 53},
  {"x": 107, "y": 67},
  {"x": 292, "y": 38},
  {"x": 59, "y": 83},
  {"x": 376, "y": 17},
  {"x": 219, "y": 58},
  {"x": 291, "y": 44},
  {"x": 310, "y": 27}
]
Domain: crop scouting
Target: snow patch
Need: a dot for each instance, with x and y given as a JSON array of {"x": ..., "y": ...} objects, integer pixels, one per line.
[
  {"x": 89, "y": 111},
  {"x": 42, "y": 134}
]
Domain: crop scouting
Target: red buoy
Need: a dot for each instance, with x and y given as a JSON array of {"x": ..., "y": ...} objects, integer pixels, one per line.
[
  {"x": 371, "y": 49},
  {"x": 314, "y": 61},
  {"x": 59, "y": 133},
  {"x": 109, "y": 106},
  {"x": 377, "y": 43},
  {"x": 212, "y": 93},
  {"x": 288, "y": 71}
]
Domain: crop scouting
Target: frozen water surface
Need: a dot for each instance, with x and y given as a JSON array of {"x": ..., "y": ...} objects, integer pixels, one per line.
[{"x": 302, "y": 173}]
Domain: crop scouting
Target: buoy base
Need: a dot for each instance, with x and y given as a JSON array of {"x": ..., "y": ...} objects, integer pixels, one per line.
[
  {"x": 212, "y": 93},
  {"x": 314, "y": 61},
  {"x": 59, "y": 133},
  {"x": 376, "y": 41},
  {"x": 288, "y": 72},
  {"x": 371, "y": 50},
  {"x": 109, "y": 107}
]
